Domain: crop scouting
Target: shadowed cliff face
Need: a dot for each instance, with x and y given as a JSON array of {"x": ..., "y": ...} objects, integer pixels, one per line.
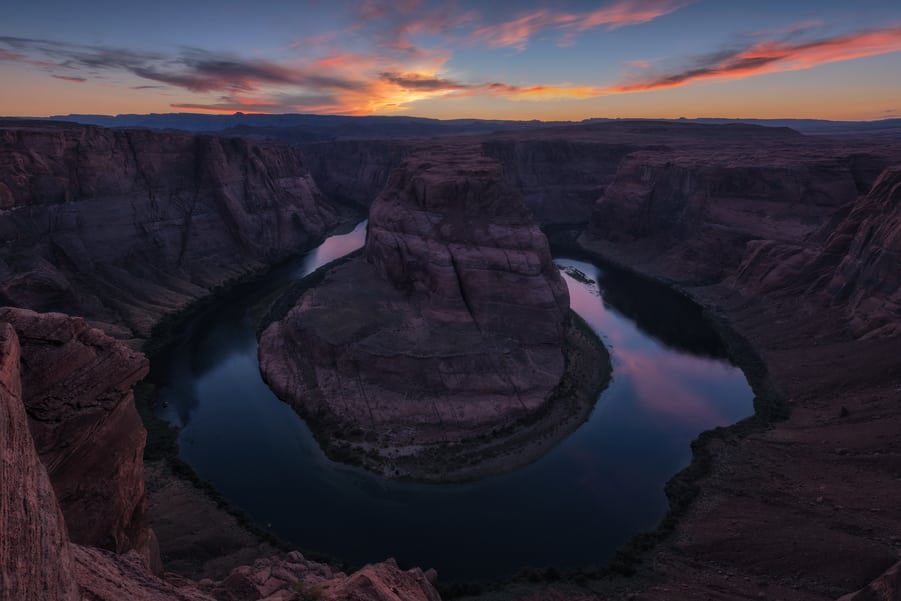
[
  {"x": 559, "y": 178},
  {"x": 354, "y": 171},
  {"x": 699, "y": 209},
  {"x": 125, "y": 226},
  {"x": 35, "y": 561},
  {"x": 451, "y": 324},
  {"x": 77, "y": 391},
  {"x": 867, "y": 278}
]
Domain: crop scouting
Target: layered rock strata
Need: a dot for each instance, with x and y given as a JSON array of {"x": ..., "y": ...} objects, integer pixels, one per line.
[
  {"x": 53, "y": 364},
  {"x": 451, "y": 326},
  {"x": 35, "y": 561},
  {"x": 77, "y": 385},
  {"x": 810, "y": 283},
  {"x": 125, "y": 226}
]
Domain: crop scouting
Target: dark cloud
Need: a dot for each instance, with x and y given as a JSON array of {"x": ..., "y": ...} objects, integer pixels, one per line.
[
  {"x": 194, "y": 70},
  {"x": 68, "y": 78},
  {"x": 412, "y": 81}
]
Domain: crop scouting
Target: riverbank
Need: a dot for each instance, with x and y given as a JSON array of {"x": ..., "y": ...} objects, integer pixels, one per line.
[
  {"x": 796, "y": 502},
  {"x": 201, "y": 534},
  {"x": 587, "y": 373}
]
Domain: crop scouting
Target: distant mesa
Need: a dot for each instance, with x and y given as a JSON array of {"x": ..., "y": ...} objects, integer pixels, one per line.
[{"x": 426, "y": 356}]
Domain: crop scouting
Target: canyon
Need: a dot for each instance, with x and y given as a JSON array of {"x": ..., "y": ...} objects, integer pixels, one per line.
[{"x": 791, "y": 244}]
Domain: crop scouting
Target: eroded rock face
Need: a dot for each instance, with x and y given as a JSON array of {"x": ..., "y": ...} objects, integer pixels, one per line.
[
  {"x": 35, "y": 561},
  {"x": 77, "y": 385},
  {"x": 125, "y": 226},
  {"x": 868, "y": 277},
  {"x": 354, "y": 171},
  {"x": 559, "y": 176},
  {"x": 450, "y": 325},
  {"x": 291, "y": 576}
]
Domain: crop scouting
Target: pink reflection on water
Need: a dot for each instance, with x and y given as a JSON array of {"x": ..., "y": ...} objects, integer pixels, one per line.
[
  {"x": 668, "y": 385},
  {"x": 336, "y": 247},
  {"x": 661, "y": 388}
]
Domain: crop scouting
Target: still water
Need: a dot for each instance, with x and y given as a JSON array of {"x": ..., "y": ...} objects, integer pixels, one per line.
[{"x": 574, "y": 506}]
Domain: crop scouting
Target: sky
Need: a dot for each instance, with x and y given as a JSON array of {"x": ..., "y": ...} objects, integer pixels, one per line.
[{"x": 565, "y": 60}]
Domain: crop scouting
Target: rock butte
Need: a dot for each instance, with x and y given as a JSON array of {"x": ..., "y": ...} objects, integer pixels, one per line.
[
  {"x": 790, "y": 241},
  {"x": 450, "y": 326}
]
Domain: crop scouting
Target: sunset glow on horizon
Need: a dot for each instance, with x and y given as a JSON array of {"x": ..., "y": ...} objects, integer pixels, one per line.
[{"x": 503, "y": 60}]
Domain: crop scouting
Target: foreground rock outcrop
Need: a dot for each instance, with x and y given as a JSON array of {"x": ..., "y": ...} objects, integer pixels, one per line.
[
  {"x": 54, "y": 365},
  {"x": 125, "y": 226},
  {"x": 35, "y": 561},
  {"x": 77, "y": 385},
  {"x": 450, "y": 327}
]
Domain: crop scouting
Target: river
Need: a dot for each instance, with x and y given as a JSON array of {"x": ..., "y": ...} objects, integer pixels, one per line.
[{"x": 573, "y": 507}]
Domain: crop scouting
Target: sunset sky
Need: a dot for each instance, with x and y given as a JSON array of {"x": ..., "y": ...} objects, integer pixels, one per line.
[{"x": 832, "y": 59}]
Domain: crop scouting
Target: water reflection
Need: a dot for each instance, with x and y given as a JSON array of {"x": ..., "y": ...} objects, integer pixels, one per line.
[
  {"x": 676, "y": 387},
  {"x": 574, "y": 506}
]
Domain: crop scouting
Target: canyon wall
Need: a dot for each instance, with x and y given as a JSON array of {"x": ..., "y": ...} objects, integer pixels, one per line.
[
  {"x": 559, "y": 177},
  {"x": 124, "y": 226},
  {"x": 35, "y": 561},
  {"x": 792, "y": 245},
  {"x": 77, "y": 385},
  {"x": 353, "y": 172}
]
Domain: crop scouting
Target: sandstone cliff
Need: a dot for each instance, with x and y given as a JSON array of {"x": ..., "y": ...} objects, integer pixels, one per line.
[
  {"x": 694, "y": 208},
  {"x": 77, "y": 390},
  {"x": 450, "y": 327},
  {"x": 354, "y": 171},
  {"x": 35, "y": 561},
  {"x": 124, "y": 226},
  {"x": 793, "y": 246},
  {"x": 867, "y": 243},
  {"x": 559, "y": 177}
]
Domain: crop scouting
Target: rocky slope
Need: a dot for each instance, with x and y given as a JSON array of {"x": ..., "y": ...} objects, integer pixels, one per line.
[
  {"x": 124, "y": 226},
  {"x": 35, "y": 561},
  {"x": 460, "y": 333},
  {"x": 55, "y": 366},
  {"x": 77, "y": 392}
]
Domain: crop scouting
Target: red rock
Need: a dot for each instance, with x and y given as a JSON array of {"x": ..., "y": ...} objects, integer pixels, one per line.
[
  {"x": 77, "y": 386},
  {"x": 35, "y": 561},
  {"x": 460, "y": 329},
  {"x": 124, "y": 226}
]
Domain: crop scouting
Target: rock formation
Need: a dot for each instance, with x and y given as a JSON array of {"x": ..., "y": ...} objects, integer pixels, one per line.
[
  {"x": 77, "y": 386},
  {"x": 694, "y": 208},
  {"x": 124, "y": 226},
  {"x": 793, "y": 247},
  {"x": 354, "y": 171},
  {"x": 55, "y": 365},
  {"x": 559, "y": 175},
  {"x": 450, "y": 327},
  {"x": 867, "y": 279},
  {"x": 35, "y": 561}
]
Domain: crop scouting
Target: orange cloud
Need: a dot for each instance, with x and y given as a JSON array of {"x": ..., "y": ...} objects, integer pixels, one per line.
[{"x": 773, "y": 57}]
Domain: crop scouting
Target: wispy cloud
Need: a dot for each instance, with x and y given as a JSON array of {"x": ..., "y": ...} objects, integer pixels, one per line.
[
  {"x": 407, "y": 60},
  {"x": 764, "y": 57},
  {"x": 516, "y": 33},
  {"x": 72, "y": 79}
]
